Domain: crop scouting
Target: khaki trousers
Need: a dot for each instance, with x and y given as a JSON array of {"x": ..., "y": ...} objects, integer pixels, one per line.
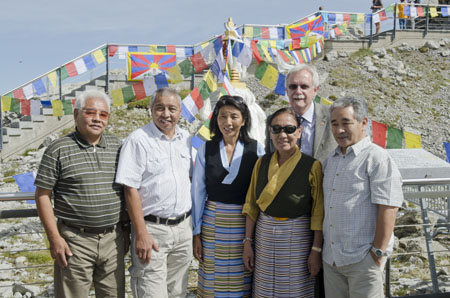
[
  {"x": 360, "y": 280},
  {"x": 97, "y": 258},
  {"x": 167, "y": 274}
]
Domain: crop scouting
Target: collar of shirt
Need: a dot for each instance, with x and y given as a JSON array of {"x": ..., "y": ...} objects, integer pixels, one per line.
[
  {"x": 233, "y": 168},
  {"x": 355, "y": 148},
  {"x": 155, "y": 131},
  {"x": 85, "y": 144}
]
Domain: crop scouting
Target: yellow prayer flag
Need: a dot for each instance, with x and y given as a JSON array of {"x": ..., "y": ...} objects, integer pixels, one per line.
[
  {"x": 152, "y": 48},
  {"x": 273, "y": 44},
  {"x": 52, "y": 78},
  {"x": 325, "y": 101},
  {"x": 117, "y": 97},
  {"x": 99, "y": 57},
  {"x": 433, "y": 12},
  {"x": 270, "y": 77},
  {"x": 266, "y": 53},
  {"x": 210, "y": 81},
  {"x": 204, "y": 132},
  {"x": 205, "y": 44},
  {"x": 57, "y": 108},
  {"x": 360, "y": 18},
  {"x": 6, "y": 104},
  {"x": 175, "y": 75},
  {"x": 248, "y": 32},
  {"x": 412, "y": 140}
]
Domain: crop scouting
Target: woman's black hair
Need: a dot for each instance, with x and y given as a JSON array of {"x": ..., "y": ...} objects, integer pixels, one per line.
[
  {"x": 238, "y": 103},
  {"x": 269, "y": 146}
]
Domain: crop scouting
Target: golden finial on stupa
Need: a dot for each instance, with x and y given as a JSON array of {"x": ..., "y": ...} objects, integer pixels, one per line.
[{"x": 230, "y": 30}]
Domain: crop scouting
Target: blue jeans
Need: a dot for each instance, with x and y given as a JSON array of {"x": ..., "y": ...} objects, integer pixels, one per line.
[{"x": 402, "y": 23}]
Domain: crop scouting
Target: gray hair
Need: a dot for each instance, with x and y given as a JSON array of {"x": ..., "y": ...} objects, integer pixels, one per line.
[
  {"x": 165, "y": 91},
  {"x": 300, "y": 67},
  {"x": 81, "y": 100},
  {"x": 358, "y": 104}
]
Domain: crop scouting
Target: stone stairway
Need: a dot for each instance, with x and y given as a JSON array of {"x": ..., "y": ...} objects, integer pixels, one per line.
[{"x": 29, "y": 131}]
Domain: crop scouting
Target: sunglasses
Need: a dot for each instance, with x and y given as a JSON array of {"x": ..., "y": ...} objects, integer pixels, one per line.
[
  {"x": 288, "y": 129},
  {"x": 92, "y": 113},
  {"x": 295, "y": 86}
]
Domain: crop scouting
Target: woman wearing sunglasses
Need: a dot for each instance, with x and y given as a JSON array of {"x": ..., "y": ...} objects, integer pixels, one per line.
[
  {"x": 284, "y": 213},
  {"x": 220, "y": 181}
]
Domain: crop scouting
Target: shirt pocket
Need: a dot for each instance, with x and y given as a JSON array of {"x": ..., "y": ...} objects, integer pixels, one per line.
[{"x": 155, "y": 165}]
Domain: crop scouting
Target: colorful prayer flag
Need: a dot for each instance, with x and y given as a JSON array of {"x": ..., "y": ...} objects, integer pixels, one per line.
[
  {"x": 313, "y": 27},
  {"x": 447, "y": 150},
  {"x": 379, "y": 133},
  {"x": 6, "y": 103},
  {"x": 39, "y": 87},
  {"x": 52, "y": 78},
  {"x": 412, "y": 140},
  {"x": 99, "y": 57},
  {"x": 117, "y": 97},
  {"x": 394, "y": 138},
  {"x": 198, "y": 62},
  {"x": 139, "y": 90},
  {"x": 25, "y": 107},
  {"x": 57, "y": 108},
  {"x": 270, "y": 77}
]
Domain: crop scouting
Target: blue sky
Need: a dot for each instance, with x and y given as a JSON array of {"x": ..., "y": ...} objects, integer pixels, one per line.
[{"x": 37, "y": 36}]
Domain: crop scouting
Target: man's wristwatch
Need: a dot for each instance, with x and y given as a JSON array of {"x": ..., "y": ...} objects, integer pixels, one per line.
[{"x": 378, "y": 252}]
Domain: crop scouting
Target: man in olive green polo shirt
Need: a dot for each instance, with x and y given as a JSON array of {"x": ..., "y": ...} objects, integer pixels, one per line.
[{"x": 77, "y": 171}]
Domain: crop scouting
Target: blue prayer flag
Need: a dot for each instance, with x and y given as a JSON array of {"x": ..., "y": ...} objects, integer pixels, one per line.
[
  {"x": 280, "y": 88},
  {"x": 39, "y": 87},
  {"x": 447, "y": 150},
  {"x": 89, "y": 62}
]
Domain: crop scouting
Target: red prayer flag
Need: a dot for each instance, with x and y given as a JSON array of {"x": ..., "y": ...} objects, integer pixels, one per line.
[
  {"x": 73, "y": 103},
  {"x": 296, "y": 43},
  {"x": 338, "y": 31},
  {"x": 379, "y": 131},
  {"x": 196, "y": 96},
  {"x": 347, "y": 17},
  {"x": 255, "y": 52},
  {"x": 71, "y": 69},
  {"x": 25, "y": 107},
  {"x": 420, "y": 11},
  {"x": 171, "y": 49},
  {"x": 382, "y": 15},
  {"x": 112, "y": 50},
  {"x": 198, "y": 62},
  {"x": 19, "y": 94},
  {"x": 265, "y": 33},
  {"x": 139, "y": 90}
]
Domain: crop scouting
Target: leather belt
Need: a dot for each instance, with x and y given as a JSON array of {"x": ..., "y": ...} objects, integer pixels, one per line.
[
  {"x": 167, "y": 221},
  {"x": 103, "y": 230}
]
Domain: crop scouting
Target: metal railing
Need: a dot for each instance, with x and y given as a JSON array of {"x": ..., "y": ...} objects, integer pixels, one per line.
[{"x": 431, "y": 195}]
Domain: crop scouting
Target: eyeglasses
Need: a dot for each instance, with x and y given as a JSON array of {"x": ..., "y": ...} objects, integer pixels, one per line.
[
  {"x": 236, "y": 98},
  {"x": 288, "y": 129},
  {"x": 92, "y": 113},
  {"x": 295, "y": 86}
]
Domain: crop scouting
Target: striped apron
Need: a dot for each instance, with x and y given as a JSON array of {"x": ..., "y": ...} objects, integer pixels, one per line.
[
  {"x": 282, "y": 249},
  {"x": 222, "y": 273}
]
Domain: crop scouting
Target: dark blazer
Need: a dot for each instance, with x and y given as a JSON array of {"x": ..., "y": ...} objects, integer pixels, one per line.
[{"x": 324, "y": 141}]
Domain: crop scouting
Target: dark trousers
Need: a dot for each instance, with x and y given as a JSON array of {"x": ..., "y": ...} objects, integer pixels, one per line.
[{"x": 319, "y": 287}]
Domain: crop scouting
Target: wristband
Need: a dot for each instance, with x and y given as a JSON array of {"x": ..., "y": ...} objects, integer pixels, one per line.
[
  {"x": 247, "y": 239},
  {"x": 318, "y": 249}
]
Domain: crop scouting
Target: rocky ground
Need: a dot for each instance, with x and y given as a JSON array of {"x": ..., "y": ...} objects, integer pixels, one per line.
[{"x": 406, "y": 87}]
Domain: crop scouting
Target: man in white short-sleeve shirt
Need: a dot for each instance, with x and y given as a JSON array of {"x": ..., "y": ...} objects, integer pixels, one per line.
[
  {"x": 154, "y": 166},
  {"x": 362, "y": 193}
]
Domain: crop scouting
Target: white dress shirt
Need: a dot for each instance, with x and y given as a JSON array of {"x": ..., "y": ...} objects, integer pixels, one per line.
[
  {"x": 159, "y": 168},
  {"x": 354, "y": 185}
]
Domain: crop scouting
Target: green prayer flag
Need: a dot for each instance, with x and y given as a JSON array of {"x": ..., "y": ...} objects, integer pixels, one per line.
[
  {"x": 257, "y": 32},
  {"x": 67, "y": 107},
  {"x": 161, "y": 49},
  {"x": 64, "y": 74},
  {"x": 15, "y": 105},
  {"x": 261, "y": 69},
  {"x": 104, "y": 51},
  {"x": 206, "y": 124},
  {"x": 204, "y": 90},
  {"x": 343, "y": 29},
  {"x": 394, "y": 138},
  {"x": 353, "y": 18},
  {"x": 304, "y": 42},
  {"x": 128, "y": 94},
  {"x": 186, "y": 67}
]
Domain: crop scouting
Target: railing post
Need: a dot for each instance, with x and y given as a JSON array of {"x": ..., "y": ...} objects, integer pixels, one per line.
[
  {"x": 371, "y": 30},
  {"x": 107, "y": 69},
  {"x": 429, "y": 244},
  {"x": 388, "y": 277},
  {"x": 395, "y": 22},
  {"x": 427, "y": 19},
  {"x": 59, "y": 83}
]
